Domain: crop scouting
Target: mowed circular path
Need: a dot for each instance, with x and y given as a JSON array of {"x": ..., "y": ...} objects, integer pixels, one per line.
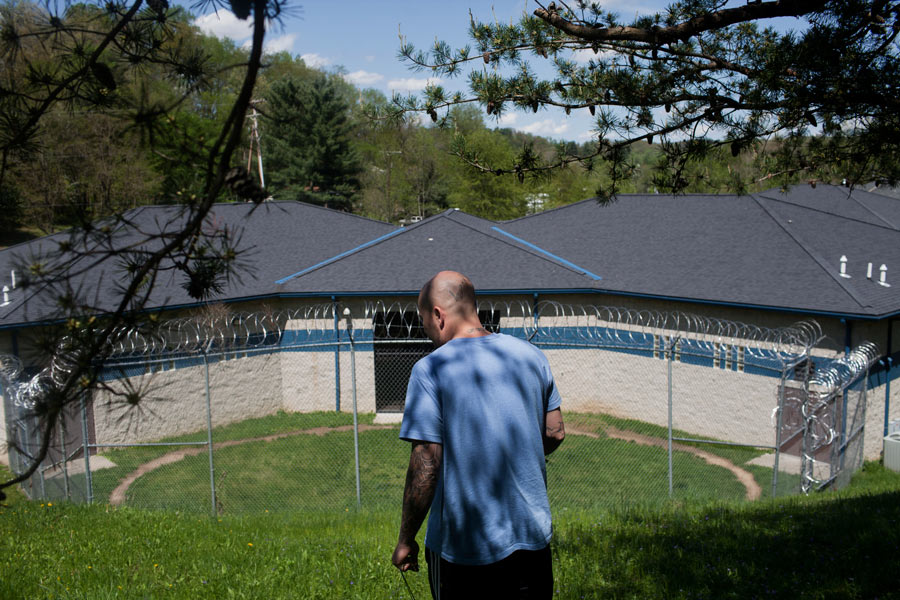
[{"x": 117, "y": 497}]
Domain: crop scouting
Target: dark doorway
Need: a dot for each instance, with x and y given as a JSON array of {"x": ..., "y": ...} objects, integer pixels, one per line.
[{"x": 399, "y": 341}]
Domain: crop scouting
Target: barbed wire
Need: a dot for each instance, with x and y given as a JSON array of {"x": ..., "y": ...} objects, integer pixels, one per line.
[
  {"x": 607, "y": 325},
  {"x": 219, "y": 329},
  {"x": 846, "y": 369}
]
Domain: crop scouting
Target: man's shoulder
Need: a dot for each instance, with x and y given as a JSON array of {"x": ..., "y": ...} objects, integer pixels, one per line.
[{"x": 519, "y": 344}]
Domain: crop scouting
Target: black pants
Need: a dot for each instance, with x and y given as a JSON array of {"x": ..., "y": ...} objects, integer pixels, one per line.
[{"x": 523, "y": 575}]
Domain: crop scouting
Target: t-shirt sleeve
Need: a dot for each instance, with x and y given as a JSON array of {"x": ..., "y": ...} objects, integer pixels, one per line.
[
  {"x": 554, "y": 400},
  {"x": 551, "y": 394},
  {"x": 422, "y": 418}
]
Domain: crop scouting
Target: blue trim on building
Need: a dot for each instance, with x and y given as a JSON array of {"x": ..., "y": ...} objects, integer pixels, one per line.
[
  {"x": 550, "y": 254},
  {"x": 339, "y": 256}
]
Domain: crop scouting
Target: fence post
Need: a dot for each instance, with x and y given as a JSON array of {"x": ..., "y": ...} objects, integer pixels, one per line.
[
  {"x": 670, "y": 355},
  {"x": 887, "y": 393},
  {"x": 209, "y": 443},
  {"x": 88, "y": 482},
  {"x": 779, "y": 424},
  {"x": 355, "y": 417},
  {"x": 337, "y": 357}
]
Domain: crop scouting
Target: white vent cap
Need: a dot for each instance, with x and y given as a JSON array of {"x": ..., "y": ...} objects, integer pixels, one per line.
[
  {"x": 844, "y": 273},
  {"x": 883, "y": 279}
]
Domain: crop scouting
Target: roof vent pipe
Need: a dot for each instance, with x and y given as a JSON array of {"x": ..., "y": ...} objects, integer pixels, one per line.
[
  {"x": 844, "y": 268},
  {"x": 12, "y": 275},
  {"x": 882, "y": 281},
  {"x": 869, "y": 272},
  {"x": 5, "y": 296}
]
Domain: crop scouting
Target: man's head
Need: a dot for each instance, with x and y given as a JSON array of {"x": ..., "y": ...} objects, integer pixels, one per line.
[{"x": 446, "y": 305}]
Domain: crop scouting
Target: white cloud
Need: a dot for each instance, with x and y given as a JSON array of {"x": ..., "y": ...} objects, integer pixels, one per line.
[
  {"x": 315, "y": 61},
  {"x": 424, "y": 119},
  {"x": 280, "y": 44},
  {"x": 225, "y": 25},
  {"x": 547, "y": 127},
  {"x": 363, "y": 77},
  {"x": 370, "y": 58},
  {"x": 585, "y": 54},
  {"x": 626, "y": 8},
  {"x": 507, "y": 119},
  {"x": 412, "y": 84}
]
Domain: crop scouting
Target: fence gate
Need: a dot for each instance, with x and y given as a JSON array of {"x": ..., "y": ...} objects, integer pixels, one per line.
[{"x": 822, "y": 417}]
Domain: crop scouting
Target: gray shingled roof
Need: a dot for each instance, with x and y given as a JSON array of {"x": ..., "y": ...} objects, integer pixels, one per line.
[
  {"x": 774, "y": 250},
  {"x": 453, "y": 240},
  {"x": 275, "y": 235},
  {"x": 768, "y": 250}
]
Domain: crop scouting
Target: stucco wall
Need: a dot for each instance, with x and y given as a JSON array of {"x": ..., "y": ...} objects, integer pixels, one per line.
[
  {"x": 365, "y": 380},
  {"x": 174, "y": 401},
  {"x": 727, "y": 405},
  {"x": 307, "y": 380}
]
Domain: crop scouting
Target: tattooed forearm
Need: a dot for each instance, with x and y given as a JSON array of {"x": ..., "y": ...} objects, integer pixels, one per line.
[{"x": 421, "y": 482}]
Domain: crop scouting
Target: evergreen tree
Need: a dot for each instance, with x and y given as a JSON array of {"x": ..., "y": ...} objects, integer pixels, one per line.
[
  {"x": 307, "y": 142},
  {"x": 700, "y": 75}
]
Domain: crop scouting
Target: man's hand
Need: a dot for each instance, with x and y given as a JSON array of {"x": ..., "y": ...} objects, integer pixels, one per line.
[
  {"x": 421, "y": 482},
  {"x": 406, "y": 556}
]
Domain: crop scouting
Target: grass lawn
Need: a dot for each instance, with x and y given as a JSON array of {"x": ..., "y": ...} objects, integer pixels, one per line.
[
  {"x": 831, "y": 545},
  {"x": 310, "y": 472}
]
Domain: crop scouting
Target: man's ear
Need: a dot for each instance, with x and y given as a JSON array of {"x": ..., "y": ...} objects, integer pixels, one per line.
[{"x": 438, "y": 315}]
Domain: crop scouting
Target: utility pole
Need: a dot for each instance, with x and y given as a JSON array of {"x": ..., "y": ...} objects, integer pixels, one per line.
[{"x": 254, "y": 142}]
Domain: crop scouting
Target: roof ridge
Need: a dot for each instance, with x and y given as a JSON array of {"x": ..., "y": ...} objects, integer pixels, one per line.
[
  {"x": 626, "y": 196},
  {"x": 823, "y": 264},
  {"x": 878, "y": 215},
  {"x": 334, "y": 210},
  {"x": 336, "y": 257},
  {"x": 557, "y": 260},
  {"x": 549, "y": 210},
  {"x": 887, "y": 224}
]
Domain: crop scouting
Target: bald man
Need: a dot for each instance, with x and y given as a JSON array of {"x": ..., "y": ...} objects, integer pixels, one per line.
[{"x": 482, "y": 411}]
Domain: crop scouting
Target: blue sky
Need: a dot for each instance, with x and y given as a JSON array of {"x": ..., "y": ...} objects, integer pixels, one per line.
[{"x": 360, "y": 39}]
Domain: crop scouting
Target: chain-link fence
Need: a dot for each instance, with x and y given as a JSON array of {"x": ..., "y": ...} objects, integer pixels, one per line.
[{"x": 299, "y": 410}]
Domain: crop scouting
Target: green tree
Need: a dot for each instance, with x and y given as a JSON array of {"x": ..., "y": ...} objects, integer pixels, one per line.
[
  {"x": 405, "y": 166},
  {"x": 697, "y": 76},
  {"x": 307, "y": 140},
  {"x": 471, "y": 189},
  {"x": 10, "y": 209},
  {"x": 92, "y": 58}
]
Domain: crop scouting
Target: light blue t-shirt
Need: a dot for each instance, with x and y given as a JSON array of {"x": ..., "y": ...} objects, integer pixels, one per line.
[{"x": 484, "y": 400}]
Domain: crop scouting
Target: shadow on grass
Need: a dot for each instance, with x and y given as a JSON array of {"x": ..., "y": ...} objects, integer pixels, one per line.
[{"x": 823, "y": 547}]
